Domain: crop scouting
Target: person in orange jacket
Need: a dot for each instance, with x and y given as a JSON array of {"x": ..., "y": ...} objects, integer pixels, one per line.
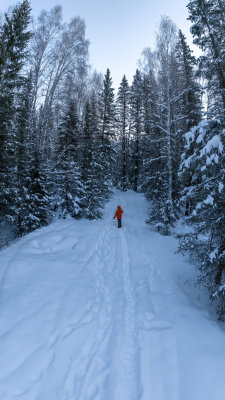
[{"x": 118, "y": 215}]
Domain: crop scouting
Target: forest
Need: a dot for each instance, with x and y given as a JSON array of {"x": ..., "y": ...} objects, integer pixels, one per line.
[{"x": 67, "y": 138}]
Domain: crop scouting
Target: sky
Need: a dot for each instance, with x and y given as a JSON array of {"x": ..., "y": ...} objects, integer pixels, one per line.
[{"x": 118, "y": 30}]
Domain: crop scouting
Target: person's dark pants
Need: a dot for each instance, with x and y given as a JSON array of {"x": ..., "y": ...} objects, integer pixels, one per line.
[{"x": 119, "y": 223}]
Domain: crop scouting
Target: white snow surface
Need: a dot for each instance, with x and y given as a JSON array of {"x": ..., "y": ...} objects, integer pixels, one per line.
[
  {"x": 92, "y": 312},
  {"x": 214, "y": 143},
  {"x": 221, "y": 186},
  {"x": 209, "y": 200}
]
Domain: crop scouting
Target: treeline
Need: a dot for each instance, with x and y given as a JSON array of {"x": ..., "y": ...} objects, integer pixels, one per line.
[{"x": 66, "y": 138}]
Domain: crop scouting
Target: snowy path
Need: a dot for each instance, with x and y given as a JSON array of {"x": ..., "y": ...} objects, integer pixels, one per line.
[{"x": 91, "y": 312}]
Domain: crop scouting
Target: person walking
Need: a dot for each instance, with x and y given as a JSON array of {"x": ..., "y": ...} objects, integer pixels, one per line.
[{"x": 118, "y": 215}]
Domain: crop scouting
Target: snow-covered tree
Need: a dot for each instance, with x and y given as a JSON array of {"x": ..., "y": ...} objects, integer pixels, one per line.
[
  {"x": 166, "y": 43},
  {"x": 203, "y": 168},
  {"x": 208, "y": 30},
  {"x": 151, "y": 169},
  {"x": 123, "y": 124},
  {"x": 69, "y": 183},
  {"x": 136, "y": 110},
  {"x": 162, "y": 210},
  {"x": 23, "y": 160},
  {"x": 107, "y": 132},
  {"x": 93, "y": 198},
  {"x": 14, "y": 38},
  {"x": 59, "y": 53},
  {"x": 38, "y": 201},
  {"x": 188, "y": 104}
]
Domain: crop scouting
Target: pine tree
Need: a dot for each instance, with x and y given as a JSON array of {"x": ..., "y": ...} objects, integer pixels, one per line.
[
  {"x": 88, "y": 130},
  {"x": 208, "y": 30},
  {"x": 38, "y": 202},
  {"x": 93, "y": 199},
  {"x": 136, "y": 128},
  {"x": 70, "y": 188},
  {"x": 24, "y": 161},
  {"x": 151, "y": 136},
  {"x": 123, "y": 122},
  {"x": 14, "y": 38},
  {"x": 107, "y": 132},
  {"x": 189, "y": 101},
  {"x": 203, "y": 165}
]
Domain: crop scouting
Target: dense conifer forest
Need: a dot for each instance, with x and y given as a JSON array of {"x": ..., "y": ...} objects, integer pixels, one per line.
[{"x": 67, "y": 138}]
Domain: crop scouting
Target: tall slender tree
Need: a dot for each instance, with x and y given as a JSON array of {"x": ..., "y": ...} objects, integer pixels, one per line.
[
  {"x": 93, "y": 198},
  {"x": 208, "y": 29},
  {"x": 14, "y": 39},
  {"x": 70, "y": 188},
  {"x": 163, "y": 208},
  {"x": 188, "y": 103},
  {"x": 203, "y": 162},
  {"x": 123, "y": 123},
  {"x": 136, "y": 102},
  {"x": 189, "y": 106},
  {"x": 107, "y": 131},
  {"x": 151, "y": 147}
]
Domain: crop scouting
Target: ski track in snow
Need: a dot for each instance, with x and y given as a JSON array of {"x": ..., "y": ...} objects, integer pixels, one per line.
[
  {"x": 93, "y": 355},
  {"x": 74, "y": 386},
  {"x": 92, "y": 312}
]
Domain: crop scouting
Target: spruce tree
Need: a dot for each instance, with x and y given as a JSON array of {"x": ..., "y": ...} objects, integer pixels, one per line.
[
  {"x": 203, "y": 167},
  {"x": 136, "y": 128},
  {"x": 123, "y": 122},
  {"x": 107, "y": 133},
  {"x": 14, "y": 38},
  {"x": 70, "y": 188},
  {"x": 151, "y": 136},
  {"x": 24, "y": 160},
  {"x": 189, "y": 103},
  {"x": 209, "y": 34},
  {"x": 38, "y": 202},
  {"x": 93, "y": 198}
]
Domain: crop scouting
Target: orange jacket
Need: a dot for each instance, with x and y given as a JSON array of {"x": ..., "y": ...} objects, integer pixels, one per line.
[{"x": 118, "y": 213}]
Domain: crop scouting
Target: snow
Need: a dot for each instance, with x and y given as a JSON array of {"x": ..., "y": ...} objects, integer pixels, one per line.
[
  {"x": 202, "y": 131},
  {"x": 213, "y": 157},
  {"x": 190, "y": 136},
  {"x": 209, "y": 200},
  {"x": 213, "y": 255},
  {"x": 221, "y": 186},
  {"x": 92, "y": 312},
  {"x": 214, "y": 143},
  {"x": 188, "y": 162}
]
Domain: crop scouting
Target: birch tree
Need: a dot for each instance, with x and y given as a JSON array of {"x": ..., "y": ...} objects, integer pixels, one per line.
[{"x": 59, "y": 52}]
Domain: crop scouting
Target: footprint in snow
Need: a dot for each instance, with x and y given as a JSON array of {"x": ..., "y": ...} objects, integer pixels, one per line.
[{"x": 150, "y": 322}]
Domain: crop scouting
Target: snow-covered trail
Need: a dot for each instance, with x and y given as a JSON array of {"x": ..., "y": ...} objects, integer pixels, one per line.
[{"x": 92, "y": 312}]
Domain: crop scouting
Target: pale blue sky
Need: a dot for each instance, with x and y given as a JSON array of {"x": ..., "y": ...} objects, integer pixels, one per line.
[{"x": 118, "y": 30}]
